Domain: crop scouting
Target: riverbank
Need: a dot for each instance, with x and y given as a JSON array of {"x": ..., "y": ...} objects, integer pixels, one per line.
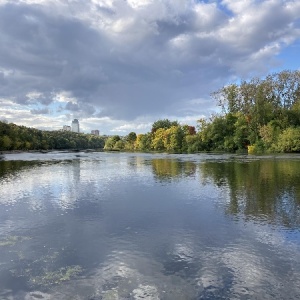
[{"x": 2, "y": 152}]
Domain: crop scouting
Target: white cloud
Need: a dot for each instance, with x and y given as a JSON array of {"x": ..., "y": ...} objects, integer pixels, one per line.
[
  {"x": 64, "y": 97},
  {"x": 139, "y": 3},
  {"x": 136, "y": 127}
]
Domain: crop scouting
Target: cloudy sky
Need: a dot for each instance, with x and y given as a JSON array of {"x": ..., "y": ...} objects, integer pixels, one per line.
[{"x": 120, "y": 65}]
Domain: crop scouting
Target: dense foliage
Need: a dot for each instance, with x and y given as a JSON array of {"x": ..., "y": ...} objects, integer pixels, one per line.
[
  {"x": 265, "y": 113},
  {"x": 257, "y": 115},
  {"x": 14, "y": 137}
]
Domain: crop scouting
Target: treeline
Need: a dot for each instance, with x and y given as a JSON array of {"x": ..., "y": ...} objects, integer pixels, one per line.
[
  {"x": 164, "y": 136},
  {"x": 259, "y": 115},
  {"x": 14, "y": 137}
]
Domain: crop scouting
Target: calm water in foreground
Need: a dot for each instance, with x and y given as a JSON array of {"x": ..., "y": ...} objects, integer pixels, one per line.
[{"x": 149, "y": 226}]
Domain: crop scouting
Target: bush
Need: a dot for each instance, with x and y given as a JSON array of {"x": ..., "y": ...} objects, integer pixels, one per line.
[{"x": 289, "y": 140}]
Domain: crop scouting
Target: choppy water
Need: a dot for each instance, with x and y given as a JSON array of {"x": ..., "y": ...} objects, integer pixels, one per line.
[{"x": 143, "y": 226}]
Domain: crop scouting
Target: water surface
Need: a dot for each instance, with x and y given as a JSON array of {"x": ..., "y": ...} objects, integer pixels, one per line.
[{"x": 149, "y": 226}]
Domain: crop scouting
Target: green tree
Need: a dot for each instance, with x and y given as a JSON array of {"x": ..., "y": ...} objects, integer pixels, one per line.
[
  {"x": 119, "y": 145},
  {"x": 241, "y": 132},
  {"x": 173, "y": 138},
  {"x": 111, "y": 141},
  {"x": 143, "y": 142},
  {"x": 269, "y": 134},
  {"x": 165, "y": 124},
  {"x": 130, "y": 140},
  {"x": 289, "y": 140},
  {"x": 6, "y": 143},
  {"x": 158, "y": 143},
  {"x": 193, "y": 143}
]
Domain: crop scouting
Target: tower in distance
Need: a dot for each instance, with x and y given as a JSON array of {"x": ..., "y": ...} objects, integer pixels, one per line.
[{"x": 75, "y": 125}]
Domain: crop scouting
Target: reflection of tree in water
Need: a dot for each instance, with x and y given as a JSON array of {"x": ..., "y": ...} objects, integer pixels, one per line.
[
  {"x": 167, "y": 169},
  {"x": 260, "y": 189},
  {"x": 14, "y": 167},
  {"x": 11, "y": 167}
]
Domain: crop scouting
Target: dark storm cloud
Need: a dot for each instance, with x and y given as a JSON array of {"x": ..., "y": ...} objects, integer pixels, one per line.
[
  {"x": 88, "y": 109},
  {"x": 82, "y": 110},
  {"x": 125, "y": 59},
  {"x": 42, "y": 111},
  {"x": 46, "y": 53},
  {"x": 72, "y": 106}
]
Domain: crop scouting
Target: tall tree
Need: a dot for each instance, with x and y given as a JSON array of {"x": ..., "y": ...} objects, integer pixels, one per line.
[{"x": 165, "y": 124}]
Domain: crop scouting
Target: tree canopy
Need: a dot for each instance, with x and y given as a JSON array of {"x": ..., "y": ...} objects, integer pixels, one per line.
[{"x": 14, "y": 137}]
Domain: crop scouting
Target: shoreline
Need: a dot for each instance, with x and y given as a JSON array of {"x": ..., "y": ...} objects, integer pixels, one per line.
[
  {"x": 3, "y": 152},
  {"x": 26, "y": 151}
]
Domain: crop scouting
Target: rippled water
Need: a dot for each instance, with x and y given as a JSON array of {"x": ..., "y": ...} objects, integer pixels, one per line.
[{"x": 149, "y": 226}]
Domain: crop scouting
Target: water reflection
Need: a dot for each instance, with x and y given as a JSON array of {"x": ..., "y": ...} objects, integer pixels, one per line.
[
  {"x": 266, "y": 188},
  {"x": 126, "y": 226},
  {"x": 8, "y": 168},
  {"x": 167, "y": 169}
]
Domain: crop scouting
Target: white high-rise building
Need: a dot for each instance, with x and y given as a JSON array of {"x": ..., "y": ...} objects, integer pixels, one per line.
[
  {"x": 66, "y": 128},
  {"x": 75, "y": 125}
]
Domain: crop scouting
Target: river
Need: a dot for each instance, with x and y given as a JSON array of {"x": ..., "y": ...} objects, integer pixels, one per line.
[{"x": 149, "y": 226}]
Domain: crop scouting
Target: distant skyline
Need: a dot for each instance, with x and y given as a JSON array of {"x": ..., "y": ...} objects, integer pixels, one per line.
[{"x": 118, "y": 65}]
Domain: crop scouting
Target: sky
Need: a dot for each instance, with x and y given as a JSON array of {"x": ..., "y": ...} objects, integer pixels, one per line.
[{"x": 120, "y": 65}]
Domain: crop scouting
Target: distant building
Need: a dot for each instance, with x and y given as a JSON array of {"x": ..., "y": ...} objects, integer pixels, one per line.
[
  {"x": 75, "y": 125},
  {"x": 66, "y": 128},
  {"x": 95, "y": 132}
]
